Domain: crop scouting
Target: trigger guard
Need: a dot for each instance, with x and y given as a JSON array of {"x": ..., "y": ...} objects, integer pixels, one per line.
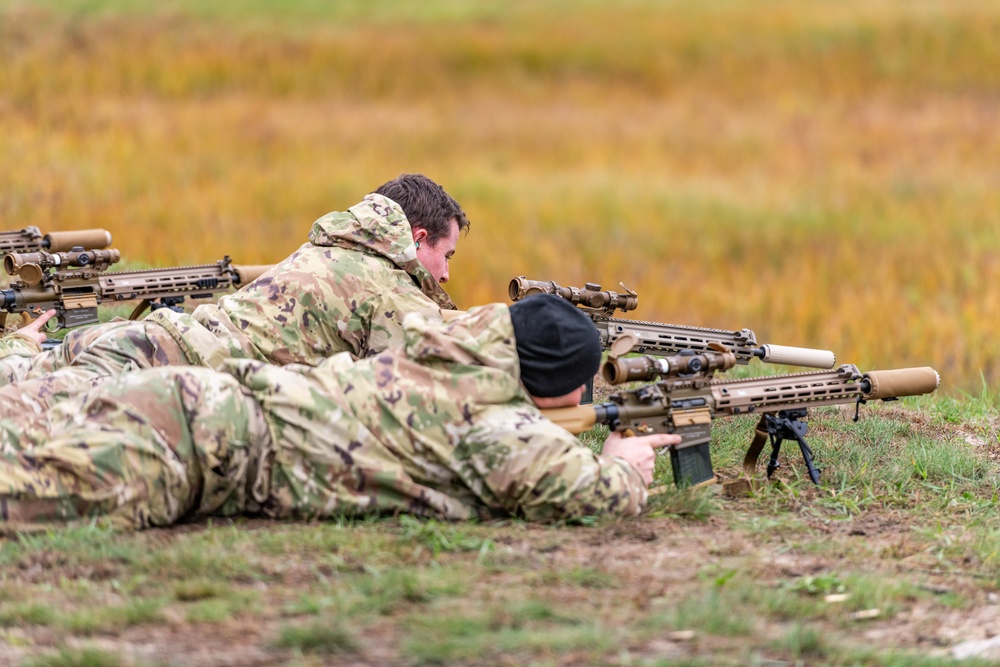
[{"x": 54, "y": 324}]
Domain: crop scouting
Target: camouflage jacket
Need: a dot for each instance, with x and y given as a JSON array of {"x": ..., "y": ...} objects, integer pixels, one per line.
[
  {"x": 18, "y": 345},
  {"x": 445, "y": 430},
  {"x": 348, "y": 289}
]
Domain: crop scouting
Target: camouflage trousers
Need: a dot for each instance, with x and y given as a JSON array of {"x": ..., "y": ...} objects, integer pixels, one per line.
[
  {"x": 146, "y": 449},
  {"x": 32, "y": 384}
]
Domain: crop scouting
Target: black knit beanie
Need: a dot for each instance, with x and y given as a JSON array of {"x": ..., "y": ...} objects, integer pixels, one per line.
[{"x": 557, "y": 344}]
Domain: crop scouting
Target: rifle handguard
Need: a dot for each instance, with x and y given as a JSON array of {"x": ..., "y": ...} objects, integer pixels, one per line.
[
  {"x": 89, "y": 239},
  {"x": 901, "y": 382},
  {"x": 797, "y": 356}
]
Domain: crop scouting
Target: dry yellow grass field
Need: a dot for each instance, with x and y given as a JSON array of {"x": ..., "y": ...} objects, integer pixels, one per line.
[{"x": 827, "y": 174}]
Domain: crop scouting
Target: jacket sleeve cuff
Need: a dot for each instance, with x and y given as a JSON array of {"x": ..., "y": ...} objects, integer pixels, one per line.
[{"x": 21, "y": 345}]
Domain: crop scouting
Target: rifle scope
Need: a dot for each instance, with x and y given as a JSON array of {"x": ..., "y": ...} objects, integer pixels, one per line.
[
  {"x": 31, "y": 266},
  {"x": 591, "y": 296},
  {"x": 620, "y": 370}
]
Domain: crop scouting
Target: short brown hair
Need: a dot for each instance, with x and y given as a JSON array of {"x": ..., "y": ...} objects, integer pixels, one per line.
[{"x": 425, "y": 204}]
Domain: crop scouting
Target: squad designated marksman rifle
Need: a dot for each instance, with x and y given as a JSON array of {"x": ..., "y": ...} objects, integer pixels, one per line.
[
  {"x": 75, "y": 282},
  {"x": 686, "y": 399},
  {"x": 31, "y": 239},
  {"x": 661, "y": 339}
]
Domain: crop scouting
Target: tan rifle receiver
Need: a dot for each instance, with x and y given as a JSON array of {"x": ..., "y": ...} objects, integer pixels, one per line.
[
  {"x": 687, "y": 404},
  {"x": 74, "y": 287},
  {"x": 660, "y": 339},
  {"x": 31, "y": 239}
]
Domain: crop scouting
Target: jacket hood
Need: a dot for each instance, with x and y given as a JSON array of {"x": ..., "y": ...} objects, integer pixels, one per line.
[
  {"x": 482, "y": 336},
  {"x": 377, "y": 226}
]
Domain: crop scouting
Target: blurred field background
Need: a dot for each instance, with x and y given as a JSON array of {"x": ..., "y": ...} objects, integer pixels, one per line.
[{"x": 825, "y": 173}]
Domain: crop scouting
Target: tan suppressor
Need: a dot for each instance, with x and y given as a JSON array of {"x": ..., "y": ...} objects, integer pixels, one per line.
[
  {"x": 31, "y": 239},
  {"x": 902, "y": 382}
]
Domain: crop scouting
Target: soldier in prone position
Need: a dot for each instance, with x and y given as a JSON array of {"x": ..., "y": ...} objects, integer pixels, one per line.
[
  {"x": 347, "y": 289},
  {"x": 448, "y": 426}
]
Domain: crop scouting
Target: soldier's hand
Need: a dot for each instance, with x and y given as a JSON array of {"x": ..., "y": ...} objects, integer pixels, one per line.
[
  {"x": 34, "y": 330},
  {"x": 639, "y": 451}
]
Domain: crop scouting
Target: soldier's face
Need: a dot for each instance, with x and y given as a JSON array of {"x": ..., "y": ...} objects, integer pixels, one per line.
[{"x": 434, "y": 255}]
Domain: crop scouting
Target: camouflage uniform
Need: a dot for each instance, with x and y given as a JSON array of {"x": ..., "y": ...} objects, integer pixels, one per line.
[
  {"x": 15, "y": 344},
  {"x": 348, "y": 289},
  {"x": 441, "y": 428}
]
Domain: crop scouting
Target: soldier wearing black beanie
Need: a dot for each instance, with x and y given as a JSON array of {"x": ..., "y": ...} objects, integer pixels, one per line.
[{"x": 557, "y": 344}]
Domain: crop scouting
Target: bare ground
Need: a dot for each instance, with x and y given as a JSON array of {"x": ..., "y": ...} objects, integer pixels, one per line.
[{"x": 653, "y": 562}]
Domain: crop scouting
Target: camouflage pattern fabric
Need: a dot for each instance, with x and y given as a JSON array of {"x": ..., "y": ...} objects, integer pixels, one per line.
[
  {"x": 15, "y": 344},
  {"x": 144, "y": 449},
  {"x": 346, "y": 290},
  {"x": 87, "y": 355},
  {"x": 441, "y": 428}
]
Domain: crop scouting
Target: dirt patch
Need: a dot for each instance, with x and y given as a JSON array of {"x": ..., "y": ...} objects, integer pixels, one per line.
[{"x": 651, "y": 564}]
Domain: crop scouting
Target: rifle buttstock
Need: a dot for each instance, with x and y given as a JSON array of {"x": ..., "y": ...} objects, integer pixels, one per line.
[
  {"x": 577, "y": 419},
  {"x": 247, "y": 273}
]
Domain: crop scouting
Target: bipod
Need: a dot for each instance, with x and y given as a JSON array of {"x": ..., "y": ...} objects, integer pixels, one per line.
[
  {"x": 784, "y": 425},
  {"x": 171, "y": 302}
]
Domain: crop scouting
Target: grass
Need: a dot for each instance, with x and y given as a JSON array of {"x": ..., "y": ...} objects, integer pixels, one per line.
[
  {"x": 67, "y": 657},
  {"x": 318, "y": 637},
  {"x": 481, "y": 638}
]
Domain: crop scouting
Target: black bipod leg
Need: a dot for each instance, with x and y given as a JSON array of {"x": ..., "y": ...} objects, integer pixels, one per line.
[
  {"x": 787, "y": 425},
  {"x": 807, "y": 454},
  {"x": 773, "y": 463}
]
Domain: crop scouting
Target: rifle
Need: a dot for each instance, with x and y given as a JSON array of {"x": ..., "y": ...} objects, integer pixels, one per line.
[
  {"x": 686, "y": 399},
  {"x": 661, "y": 339},
  {"x": 30, "y": 239},
  {"x": 74, "y": 283}
]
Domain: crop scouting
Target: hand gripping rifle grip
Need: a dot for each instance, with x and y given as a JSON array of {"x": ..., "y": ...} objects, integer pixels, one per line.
[
  {"x": 88, "y": 239},
  {"x": 901, "y": 382},
  {"x": 798, "y": 356}
]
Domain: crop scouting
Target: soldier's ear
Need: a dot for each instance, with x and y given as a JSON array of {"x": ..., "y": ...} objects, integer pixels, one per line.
[{"x": 419, "y": 235}]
